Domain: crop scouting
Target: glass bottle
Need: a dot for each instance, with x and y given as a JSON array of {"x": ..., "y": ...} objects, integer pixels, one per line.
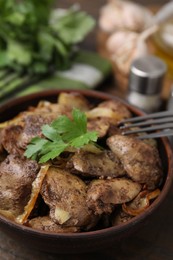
[{"x": 163, "y": 45}]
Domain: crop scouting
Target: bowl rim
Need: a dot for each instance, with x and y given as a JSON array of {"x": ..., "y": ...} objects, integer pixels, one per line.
[{"x": 106, "y": 231}]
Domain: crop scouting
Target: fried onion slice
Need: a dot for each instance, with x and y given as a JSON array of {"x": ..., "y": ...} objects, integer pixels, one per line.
[
  {"x": 102, "y": 112},
  {"x": 140, "y": 203},
  {"x": 36, "y": 186}
]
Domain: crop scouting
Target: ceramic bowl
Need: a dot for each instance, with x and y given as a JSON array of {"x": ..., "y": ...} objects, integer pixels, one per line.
[{"x": 91, "y": 240}]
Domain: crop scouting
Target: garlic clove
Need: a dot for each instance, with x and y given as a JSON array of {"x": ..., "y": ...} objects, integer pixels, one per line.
[
  {"x": 120, "y": 40},
  {"x": 119, "y": 14},
  {"x": 110, "y": 17},
  {"x": 124, "y": 47},
  {"x": 136, "y": 18},
  {"x": 61, "y": 215}
]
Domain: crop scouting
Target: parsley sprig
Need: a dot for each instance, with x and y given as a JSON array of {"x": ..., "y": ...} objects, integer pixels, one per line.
[{"x": 61, "y": 134}]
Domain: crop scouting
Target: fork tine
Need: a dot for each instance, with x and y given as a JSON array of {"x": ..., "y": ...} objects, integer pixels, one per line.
[
  {"x": 149, "y": 116},
  {"x": 156, "y": 135},
  {"x": 154, "y": 122},
  {"x": 149, "y": 129},
  {"x": 148, "y": 122}
]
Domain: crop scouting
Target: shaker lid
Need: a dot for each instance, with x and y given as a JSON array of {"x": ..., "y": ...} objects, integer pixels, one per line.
[{"x": 146, "y": 75}]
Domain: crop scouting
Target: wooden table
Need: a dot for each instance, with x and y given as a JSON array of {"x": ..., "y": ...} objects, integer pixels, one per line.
[{"x": 154, "y": 241}]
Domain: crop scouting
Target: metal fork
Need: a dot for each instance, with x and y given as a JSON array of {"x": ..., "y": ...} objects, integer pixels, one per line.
[{"x": 155, "y": 125}]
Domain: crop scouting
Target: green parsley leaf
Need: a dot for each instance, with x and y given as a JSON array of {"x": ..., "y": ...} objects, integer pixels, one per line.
[
  {"x": 61, "y": 134},
  {"x": 80, "y": 141},
  {"x": 50, "y": 133},
  {"x": 62, "y": 124},
  {"x": 80, "y": 120},
  {"x": 78, "y": 126},
  {"x": 52, "y": 150},
  {"x": 72, "y": 25},
  {"x": 34, "y": 147}
]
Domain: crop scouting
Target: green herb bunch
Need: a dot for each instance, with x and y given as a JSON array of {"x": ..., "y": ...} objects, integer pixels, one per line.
[
  {"x": 36, "y": 39},
  {"x": 35, "y": 36}
]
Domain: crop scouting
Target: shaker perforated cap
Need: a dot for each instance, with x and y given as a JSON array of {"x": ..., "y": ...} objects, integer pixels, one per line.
[{"x": 147, "y": 74}]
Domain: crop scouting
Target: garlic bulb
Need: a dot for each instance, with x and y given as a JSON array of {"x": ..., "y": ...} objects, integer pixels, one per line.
[
  {"x": 118, "y": 14},
  {"x": 124, "y": 47}
]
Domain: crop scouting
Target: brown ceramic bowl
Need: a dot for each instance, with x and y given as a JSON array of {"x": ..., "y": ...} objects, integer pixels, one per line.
[{"x": 93, "y": 240}]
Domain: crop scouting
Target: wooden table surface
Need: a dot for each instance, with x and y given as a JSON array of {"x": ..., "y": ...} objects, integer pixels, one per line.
[{"x": 154, "y": 241}]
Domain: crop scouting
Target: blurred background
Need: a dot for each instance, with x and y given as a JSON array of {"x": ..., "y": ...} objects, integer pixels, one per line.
[
  {"x": 33, "y": 53},
  {"x": 94, "y": 8},
  {"x": 97, "y": 42}
]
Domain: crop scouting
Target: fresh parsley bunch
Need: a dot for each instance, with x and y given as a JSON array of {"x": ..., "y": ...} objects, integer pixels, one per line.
[
  {"x": 59, "y": 136},
  {"x": 36, "y": 38}
]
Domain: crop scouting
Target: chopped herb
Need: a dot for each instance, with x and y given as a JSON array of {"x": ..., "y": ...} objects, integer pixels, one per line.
[{"x": 61, "y": 134}]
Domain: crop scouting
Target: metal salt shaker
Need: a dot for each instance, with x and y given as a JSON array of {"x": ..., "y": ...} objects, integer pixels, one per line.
[
  {"x": 170, "y": 100},
  {"x": 146, "y": 82}
]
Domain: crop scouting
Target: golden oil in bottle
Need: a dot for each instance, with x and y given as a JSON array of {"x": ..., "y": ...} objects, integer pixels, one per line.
[{"x": 163, "y": 45}]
